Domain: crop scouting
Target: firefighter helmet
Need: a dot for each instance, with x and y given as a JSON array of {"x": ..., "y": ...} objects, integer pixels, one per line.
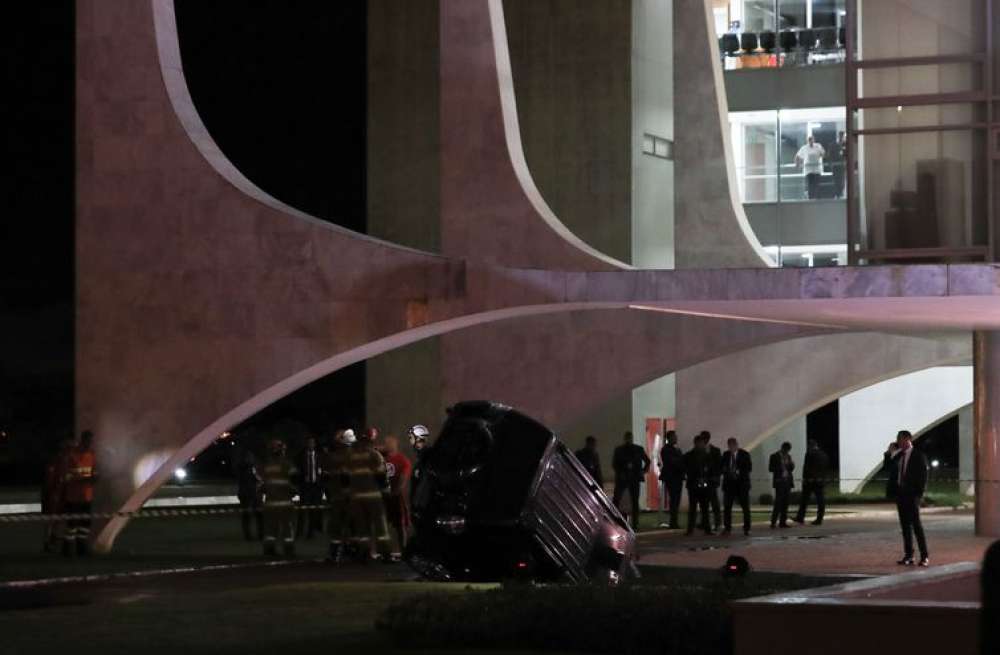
[
  {"x": 419, "y": 434},
  {"x": 345, "y": 437}
]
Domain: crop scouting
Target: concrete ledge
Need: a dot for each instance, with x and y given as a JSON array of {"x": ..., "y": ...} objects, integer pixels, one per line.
[{"x": 922, "y": 611}]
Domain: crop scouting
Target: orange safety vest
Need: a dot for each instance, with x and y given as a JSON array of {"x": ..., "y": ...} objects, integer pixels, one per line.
[{"x": 80, "y": 471}]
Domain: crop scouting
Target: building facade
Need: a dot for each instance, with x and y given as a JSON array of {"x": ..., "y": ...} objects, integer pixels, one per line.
[{"x": 563, "y": 215}]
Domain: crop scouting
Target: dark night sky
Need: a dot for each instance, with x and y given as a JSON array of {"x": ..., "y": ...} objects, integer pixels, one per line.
[{"x": 281, "y": 84}]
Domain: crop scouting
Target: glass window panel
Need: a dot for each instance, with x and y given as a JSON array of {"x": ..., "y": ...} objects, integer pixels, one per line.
[
  {"x": 811, "y": 171},
  {"x": 758, "y": 15},
  {"x": 793, "y": 14},
  {"x": 919, "y": 80},
  {"x": 917, "y": 116},
  {"x": 914, "y": 28},
  {"x": 922, "y": 190},
  {"x": 754, "y": 139}
]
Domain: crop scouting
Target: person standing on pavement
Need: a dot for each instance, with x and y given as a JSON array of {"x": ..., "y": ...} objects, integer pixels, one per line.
[
  {"x": 53, "y": 496},
  {"x": 736, "y": 468},
  {"x": 814, "y": 470},
  {"x": 672, "y": 476},
  {"x": 591, "y": 460},
  {"x": 397, "y": 506},
  {"x": 79, "y": 476},
  {"x": 714, "y": 478},
  {"x": 367, "y": 470},
  {"x": 781, "y": 466},
  {"x": 630, "y": 464},
  {"x": 419, "y": 437},
  {"x": 337, "y": 480},
  {"x": 908, "y": 482},
  {"x": 277, "y": 474},
  {"x": 310, "y": 490},
  {"x": 696, "y": 471},
  {"x": 250, "y": 495}
]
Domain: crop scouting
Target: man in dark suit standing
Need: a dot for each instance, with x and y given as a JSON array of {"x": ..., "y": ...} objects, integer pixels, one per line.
[
  {"x": 907, "y": 482},
  {"x": 630, "y": 463},
  {"x": 591, "y": 461},
  {"x": 672, "y": 476},
  {"x": 696, "y": 470},
  {"x": 714, "y": 478},
  {"x": 310, "y": 483},
  {"x": 736, "y": 468},
  {"x": 780, "y": 467},
  {"x": 814, "y": 470}
]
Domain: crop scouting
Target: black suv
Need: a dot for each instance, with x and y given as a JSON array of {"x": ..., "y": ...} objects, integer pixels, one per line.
[{"x": 500, "y": 497}]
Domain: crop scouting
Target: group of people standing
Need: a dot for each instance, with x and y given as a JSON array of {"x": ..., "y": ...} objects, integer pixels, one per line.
[
  {"x": 704, "y": 470},
  {"x": 358, "y": 486}
]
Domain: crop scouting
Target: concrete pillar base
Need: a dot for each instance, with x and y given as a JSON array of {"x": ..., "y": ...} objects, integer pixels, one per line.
[{"x": 986, "y": 410}]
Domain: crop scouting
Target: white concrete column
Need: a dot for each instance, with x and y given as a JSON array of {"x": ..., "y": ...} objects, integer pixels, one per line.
[{"x": 986, "y": 409}]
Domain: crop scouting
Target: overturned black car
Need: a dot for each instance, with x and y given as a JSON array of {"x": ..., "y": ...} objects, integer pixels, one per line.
[{"x": 499, "y": 497}]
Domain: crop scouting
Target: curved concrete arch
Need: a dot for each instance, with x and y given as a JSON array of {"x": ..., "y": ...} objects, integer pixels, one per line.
[
  {"x": 964, "y": 476},
  {"x": 174, "y": 81},
  {"x": 755, "y": 392},
  {"x": 512, "y": 134},
  {"x": 491, "y": 208},
  {"x": 711, "y": 229},
  {"x": 674, "y": 342},
  {"x": 870, "y": 417}
]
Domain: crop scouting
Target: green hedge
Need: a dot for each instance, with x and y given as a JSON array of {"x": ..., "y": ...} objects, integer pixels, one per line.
[{"x": 683, "y": 619}]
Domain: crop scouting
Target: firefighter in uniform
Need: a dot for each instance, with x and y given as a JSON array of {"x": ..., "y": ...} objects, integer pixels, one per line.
[
  {"x": 53, "y": 498},
  {"x": 367, "y": 471},
  {"x": 336, "y": 467},
  {"x": 78, "y": 491},
  {"x": 279, "y": 514},
  {"x": 419, "y": 436}
]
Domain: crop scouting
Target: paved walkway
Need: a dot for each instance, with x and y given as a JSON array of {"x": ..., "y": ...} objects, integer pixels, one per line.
[{"x": 864, "y": 542}]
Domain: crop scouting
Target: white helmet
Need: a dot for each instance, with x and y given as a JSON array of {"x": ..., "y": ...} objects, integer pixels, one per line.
[
  {"x": 345, "y": 437},
  {"x": 418, "y": 433}
]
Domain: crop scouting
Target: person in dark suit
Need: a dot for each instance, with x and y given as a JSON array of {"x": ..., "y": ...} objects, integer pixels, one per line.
[
  {"x": 736, "y": 468},
  {"x": 672, "y": 476},
  {"x": 591, "y": 461},
  {"x": 696, "y": 471},
  {"x": 630, "y": 463},
  {"x": 310, "y": 485},
  {"x": 907, "y": 483},
  {"x": 814, "y": 469},
  {"x": 714, "y": 478},
  {"x": 780, "y": 467}
]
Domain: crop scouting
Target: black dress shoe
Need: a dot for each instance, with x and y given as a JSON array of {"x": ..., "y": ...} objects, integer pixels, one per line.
[
  {"x": 798, "y": 520},
  {"x": 727, "y": 531},
  {"x": 817, "y": 522},
  {"x": 784, "y": 525},
  {"x": 906, "y": 561},
  {"x": 746, "y": 533},
  {"x": 924, "y": 561}
]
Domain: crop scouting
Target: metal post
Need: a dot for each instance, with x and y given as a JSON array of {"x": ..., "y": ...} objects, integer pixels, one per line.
[{"x": 851, "y": 96}]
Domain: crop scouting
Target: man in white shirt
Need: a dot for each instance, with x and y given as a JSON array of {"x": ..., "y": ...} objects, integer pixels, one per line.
[{"x": 810, "y": 158}]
